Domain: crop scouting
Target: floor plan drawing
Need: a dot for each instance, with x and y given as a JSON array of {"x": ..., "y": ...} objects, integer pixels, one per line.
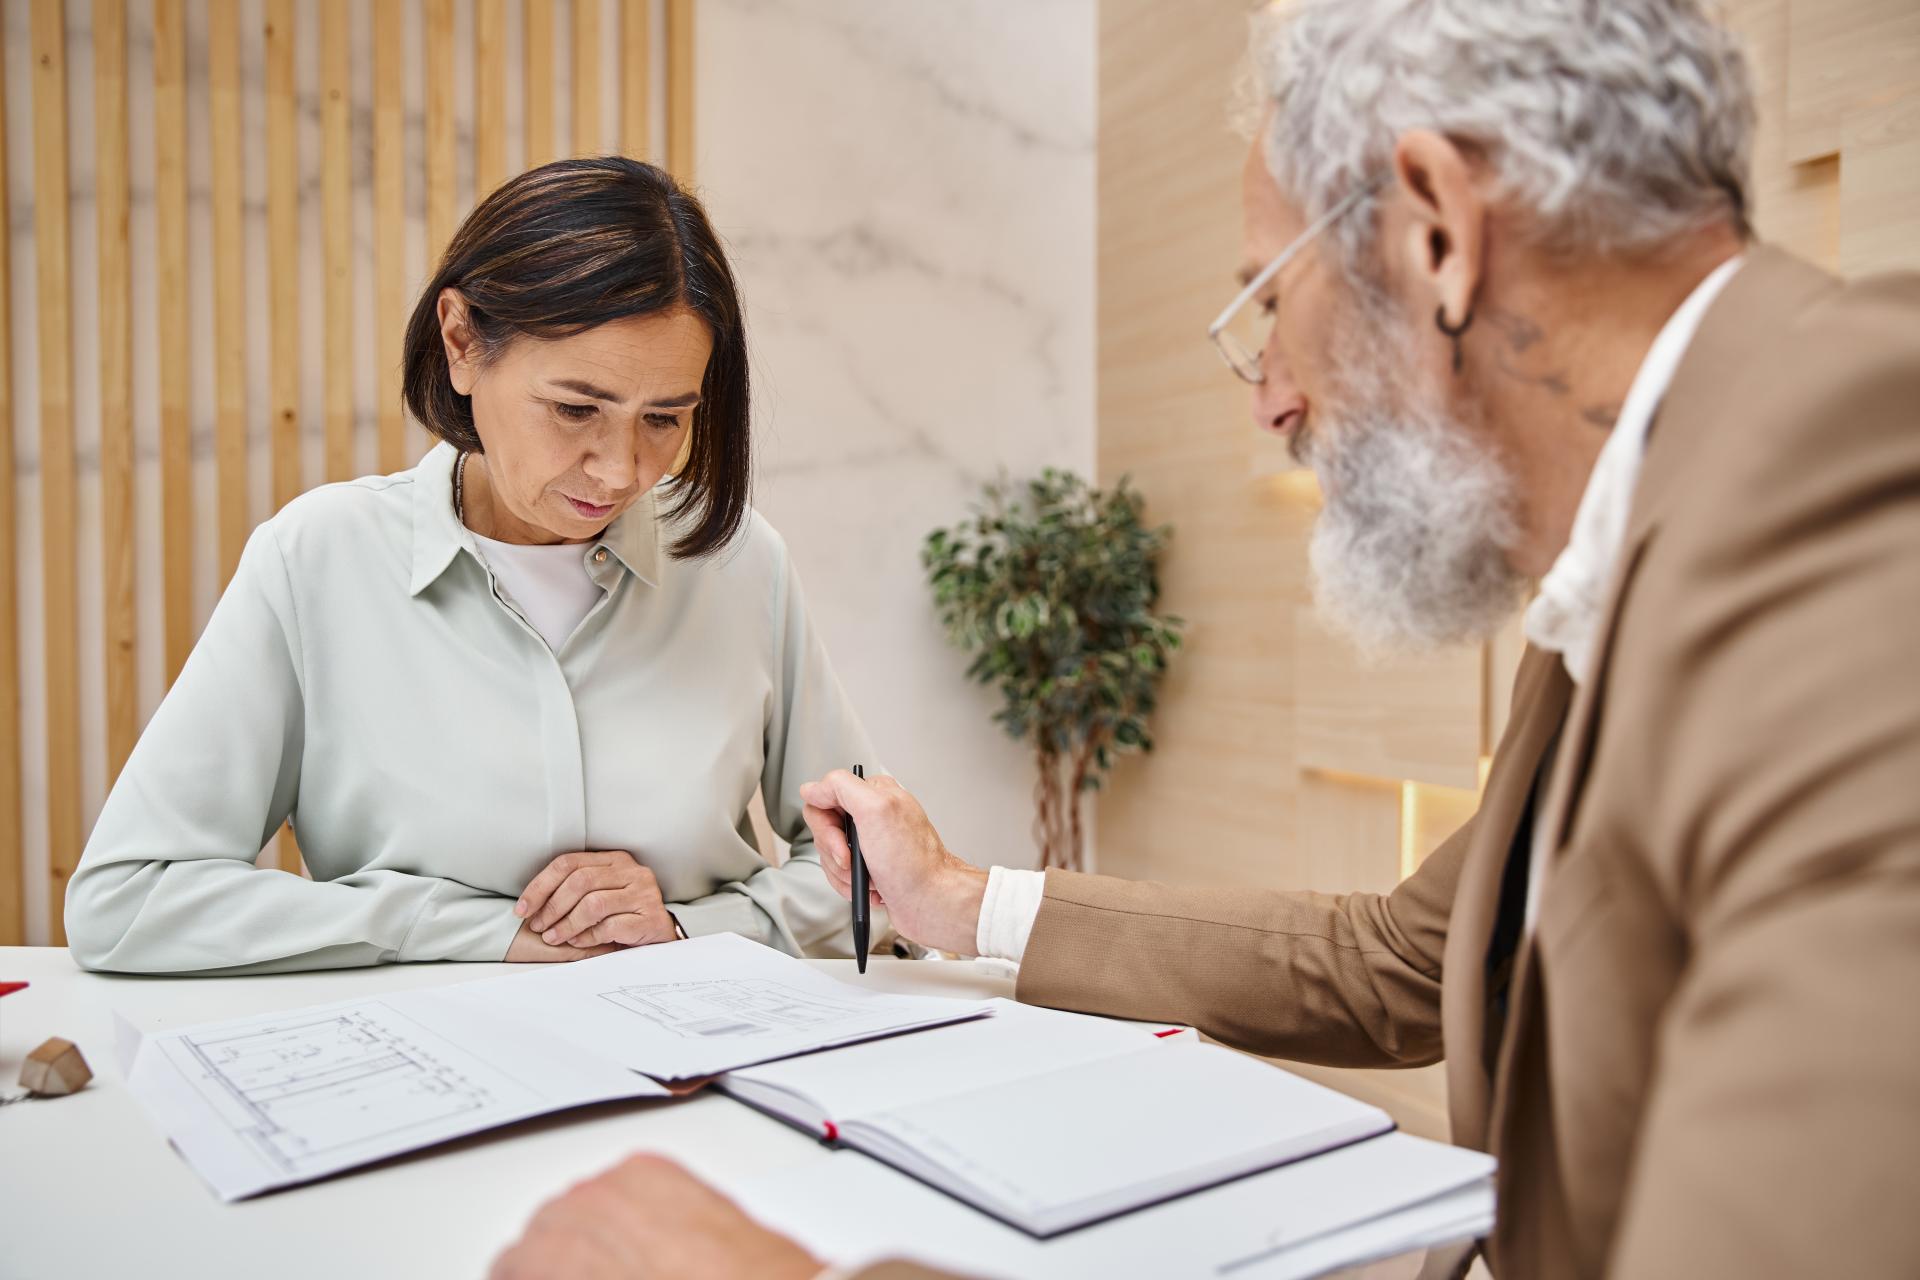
[
  {"x": 732, "y": 1008},
  {"x": 302, "y": 1090}
]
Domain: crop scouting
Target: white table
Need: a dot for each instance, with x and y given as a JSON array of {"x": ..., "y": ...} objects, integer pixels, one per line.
[{"x": 88, "y": 1188}]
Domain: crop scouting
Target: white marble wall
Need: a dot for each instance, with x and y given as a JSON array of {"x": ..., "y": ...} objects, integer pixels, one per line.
[{"x": 908, "y": 191}]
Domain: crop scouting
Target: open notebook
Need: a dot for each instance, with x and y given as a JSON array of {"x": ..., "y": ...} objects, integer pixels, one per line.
[{"x": 1050, "y": 1121}]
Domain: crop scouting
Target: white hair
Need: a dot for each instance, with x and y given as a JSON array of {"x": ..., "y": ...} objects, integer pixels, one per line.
[{"x": 1615, "y": 126}]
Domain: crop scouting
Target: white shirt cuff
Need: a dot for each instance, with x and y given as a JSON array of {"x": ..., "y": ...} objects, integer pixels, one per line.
[{"x": 1007, "y": 912}]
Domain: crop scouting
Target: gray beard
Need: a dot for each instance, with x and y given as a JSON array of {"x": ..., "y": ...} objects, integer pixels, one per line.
[{"x": 1410, "y": 552}]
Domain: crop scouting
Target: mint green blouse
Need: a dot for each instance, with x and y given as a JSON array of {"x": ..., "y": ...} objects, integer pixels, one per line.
[{"x": 365, "y": 677}]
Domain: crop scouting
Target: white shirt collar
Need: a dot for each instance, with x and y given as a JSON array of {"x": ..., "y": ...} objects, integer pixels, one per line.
[{"x": 1565, "y": 616}]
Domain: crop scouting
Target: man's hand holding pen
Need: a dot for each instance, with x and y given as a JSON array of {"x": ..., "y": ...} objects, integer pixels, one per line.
[{"x": 932, "y": 896}]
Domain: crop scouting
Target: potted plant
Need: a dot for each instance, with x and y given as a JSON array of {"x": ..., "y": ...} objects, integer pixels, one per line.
[{"x": 1051, "y": 587}]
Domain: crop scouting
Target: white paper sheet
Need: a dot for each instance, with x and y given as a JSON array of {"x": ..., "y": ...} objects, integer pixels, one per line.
[
  {"x": 696, "y": 1008},
  {"x": 1466, "y": 1214},
  {"x": 271, "y": 1101},
  {"x": 852, "y": 1210}
]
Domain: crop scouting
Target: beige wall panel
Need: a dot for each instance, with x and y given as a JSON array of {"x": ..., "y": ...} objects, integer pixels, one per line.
[
  {"x": 1796, "y": 206},
  {"x": 1840, "y": 53},
  {"x": 1216, "y": 801},
  {"x": 1880, "y": 185},
  {"x": 1417, "y": 718},
  {"x": 1348, "y": 835}
]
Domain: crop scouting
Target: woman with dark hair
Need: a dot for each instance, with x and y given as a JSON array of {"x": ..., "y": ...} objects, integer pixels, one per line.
[{"x": 517, "y": 700}]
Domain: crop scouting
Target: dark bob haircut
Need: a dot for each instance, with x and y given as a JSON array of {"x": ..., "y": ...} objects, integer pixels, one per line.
[{"x": 572, "y": 245}]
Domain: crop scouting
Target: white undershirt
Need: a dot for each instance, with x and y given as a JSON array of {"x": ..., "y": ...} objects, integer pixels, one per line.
[
  {"x": 1565, "y": 617},
  {"x": 548, "y": 584}
]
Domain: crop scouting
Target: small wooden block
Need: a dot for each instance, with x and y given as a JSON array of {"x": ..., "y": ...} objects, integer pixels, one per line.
[{"x": 55, "y": 1068}]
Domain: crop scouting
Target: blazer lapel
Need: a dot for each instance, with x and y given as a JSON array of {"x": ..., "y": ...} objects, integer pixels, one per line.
[{"x": 1540, "y": 703}]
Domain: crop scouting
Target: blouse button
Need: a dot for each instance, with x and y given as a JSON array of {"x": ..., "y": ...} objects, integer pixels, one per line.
[{"x": 600, "y": 556}]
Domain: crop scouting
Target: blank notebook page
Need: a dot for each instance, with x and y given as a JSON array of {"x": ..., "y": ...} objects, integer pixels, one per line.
[{"x": 1056, "y": 1149}]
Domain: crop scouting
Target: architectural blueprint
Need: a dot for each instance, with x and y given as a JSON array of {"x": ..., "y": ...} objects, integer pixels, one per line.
[
  {"x": 265, "y": 1102},
  {"x": 304, "y": 1088}
]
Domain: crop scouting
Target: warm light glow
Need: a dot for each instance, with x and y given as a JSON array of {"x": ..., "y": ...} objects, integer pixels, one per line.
[{"x": 1299, "y": 486}]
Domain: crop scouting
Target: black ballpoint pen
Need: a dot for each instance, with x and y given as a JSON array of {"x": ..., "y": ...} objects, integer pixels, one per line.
[{"x": 862, "y": 913}]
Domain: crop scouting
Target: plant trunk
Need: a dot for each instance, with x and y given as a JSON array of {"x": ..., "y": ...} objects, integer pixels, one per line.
[
  {"x": 1076, "y": 837},
  {"x": 1046, "y": 806}
]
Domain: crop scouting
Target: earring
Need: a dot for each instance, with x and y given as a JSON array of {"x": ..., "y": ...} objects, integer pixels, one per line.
[{"x": 1466, "y": 322}]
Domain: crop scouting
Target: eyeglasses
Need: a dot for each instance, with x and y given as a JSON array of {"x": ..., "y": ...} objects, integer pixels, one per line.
[{"x": 1242, "y": 351}]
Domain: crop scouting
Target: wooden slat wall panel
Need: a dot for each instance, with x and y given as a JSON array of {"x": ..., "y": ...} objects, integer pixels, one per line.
[
  {"x": 59, "y": 561},
  {"x": 537, "y": 39},
  {"x": 680, "y": 35},
  {"x": 336, "y": 197},
  {"x": 585, "y": 74},
  {"x": 440, "y": 137},
  {"x": 489, "y": 96},
  {"x": 173, "y": 328},
  {"x": 636, "y": 79},
  {"x": 13, "y": 866},
  {"x": 229, "y": 283},
  {"x": 116, "y": 380},
  {"x": 283, "y": 250},
  {"x": 389, "y": 228}
]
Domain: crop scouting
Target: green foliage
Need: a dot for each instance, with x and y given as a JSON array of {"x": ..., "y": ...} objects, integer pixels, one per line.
[{"x": 1051, "y": 587}]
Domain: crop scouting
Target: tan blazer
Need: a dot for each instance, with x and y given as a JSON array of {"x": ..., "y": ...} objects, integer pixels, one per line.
[{"x": 1709, "y": 1061}]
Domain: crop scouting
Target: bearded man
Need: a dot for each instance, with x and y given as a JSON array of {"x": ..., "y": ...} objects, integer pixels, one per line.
[{"x": 1502, "y": 296}]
